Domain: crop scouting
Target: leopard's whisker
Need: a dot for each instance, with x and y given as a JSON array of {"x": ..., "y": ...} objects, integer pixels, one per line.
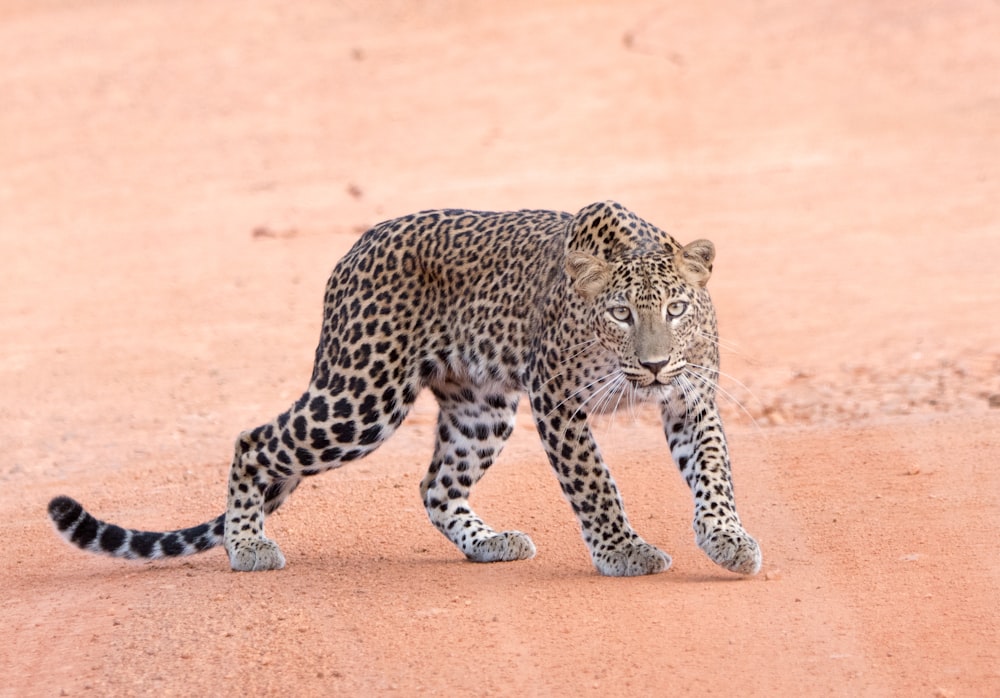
[
  {"x": 579, "y": 391},
  {"x": 617, "y": 390},
  {"x": 724, "y": 344},
  {"x": 727, "y": 395},
  {"x": 586, "y": 346},
  {"x": 618, "y": 384},
  {"x": 688, "y": 392},
  {"x": 727, "y": 376},
  {"x": 624, "y": 386},
  {"x": 603, "y": 391}
]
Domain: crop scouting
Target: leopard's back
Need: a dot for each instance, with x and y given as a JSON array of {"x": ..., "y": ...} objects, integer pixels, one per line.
[{"x": 446, "y": 282}]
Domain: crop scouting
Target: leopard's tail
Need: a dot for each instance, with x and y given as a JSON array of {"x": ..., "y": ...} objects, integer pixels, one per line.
[{"x": 86, "y": 532}]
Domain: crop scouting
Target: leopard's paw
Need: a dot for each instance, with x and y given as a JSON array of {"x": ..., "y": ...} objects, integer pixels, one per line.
[
  {"x": 732, "y": 548},
  {"x": 631, "y": 559},
  {"x": 502, "y": 547},
  {"x": 255, "y": 554}
]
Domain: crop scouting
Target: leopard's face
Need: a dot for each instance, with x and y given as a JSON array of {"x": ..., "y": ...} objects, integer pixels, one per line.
[
  {"x": 650, "y": 310},
  {"x": 647, "y": 316}
]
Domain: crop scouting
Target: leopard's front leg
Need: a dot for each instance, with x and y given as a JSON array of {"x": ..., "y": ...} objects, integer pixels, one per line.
[
  {"x": 698, "y": 445},
  {"x": 615, "y": 548}
]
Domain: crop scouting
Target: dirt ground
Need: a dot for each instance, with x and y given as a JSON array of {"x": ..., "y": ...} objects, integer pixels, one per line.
[{"x": 178, "y": 178}]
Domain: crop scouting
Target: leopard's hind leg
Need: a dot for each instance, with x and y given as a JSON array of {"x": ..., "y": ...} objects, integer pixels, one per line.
[
  {"x": 322, "y": 431},
  {"x": 256, "y": 487}
]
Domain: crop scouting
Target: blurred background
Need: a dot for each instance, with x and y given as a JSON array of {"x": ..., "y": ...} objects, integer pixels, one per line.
[
  {"x": 177, "y": 179},
  {"x": 844, "y": 157}
]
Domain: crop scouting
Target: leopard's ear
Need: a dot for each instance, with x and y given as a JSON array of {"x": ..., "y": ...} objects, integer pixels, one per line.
[
  {"x": 694, "y": 261},
  {"x": 590, "y": 275}
]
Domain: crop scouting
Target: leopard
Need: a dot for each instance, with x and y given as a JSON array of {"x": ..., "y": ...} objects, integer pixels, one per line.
[{"x": 579, "y": 312}]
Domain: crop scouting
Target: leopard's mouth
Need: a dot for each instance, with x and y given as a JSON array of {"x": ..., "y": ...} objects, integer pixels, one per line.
[
  {"x": 652, "y": 385},
  {"x": 663, "y": 378},
  {"x": 654, "y": 392}
]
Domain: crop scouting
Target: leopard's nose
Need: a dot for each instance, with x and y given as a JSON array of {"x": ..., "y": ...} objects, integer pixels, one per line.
[{"x": 654, "y": 367}]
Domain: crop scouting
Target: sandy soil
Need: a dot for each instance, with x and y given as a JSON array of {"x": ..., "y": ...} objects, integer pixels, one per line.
[{"x": 177, "y": 179}]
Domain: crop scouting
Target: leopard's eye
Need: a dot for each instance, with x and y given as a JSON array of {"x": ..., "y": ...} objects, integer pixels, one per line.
[
  {"x": 620, "y": 313},
  {"x": 676, "y": 309}
]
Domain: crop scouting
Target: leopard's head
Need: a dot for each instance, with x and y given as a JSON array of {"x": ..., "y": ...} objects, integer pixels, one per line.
[
  {"x": 647, "y": 306},
  {"x": 646, "y": 299}
]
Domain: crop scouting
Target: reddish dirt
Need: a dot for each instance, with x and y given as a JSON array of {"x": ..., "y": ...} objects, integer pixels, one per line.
[{"x": 178, "y": 178}]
